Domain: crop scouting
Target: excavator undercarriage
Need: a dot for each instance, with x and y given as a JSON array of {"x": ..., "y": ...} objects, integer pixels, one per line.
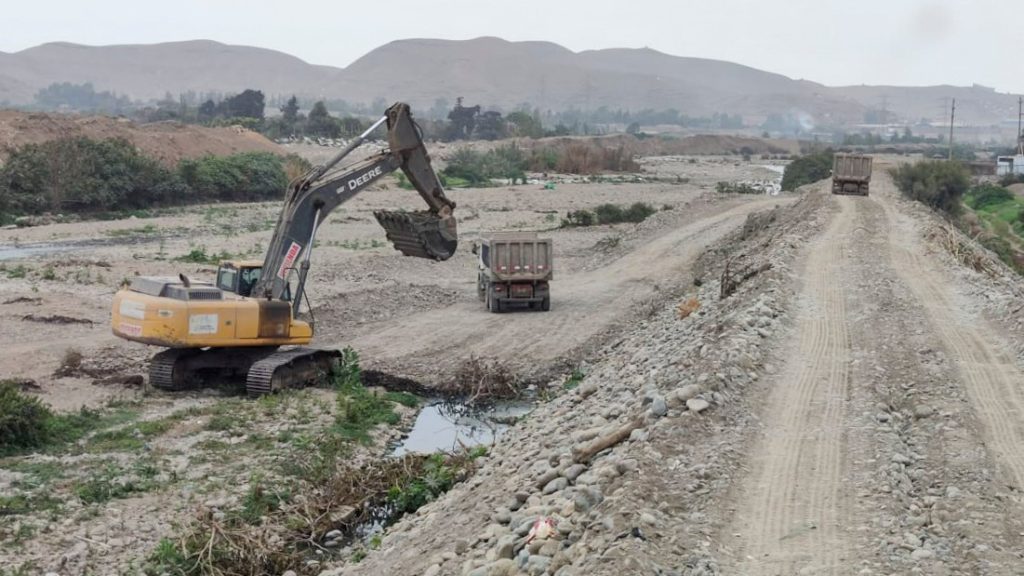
[{"x": 266, "y": 369}]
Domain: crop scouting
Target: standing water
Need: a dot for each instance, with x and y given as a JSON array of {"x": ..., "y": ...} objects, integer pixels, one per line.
[{"x": 448, "y": 426}]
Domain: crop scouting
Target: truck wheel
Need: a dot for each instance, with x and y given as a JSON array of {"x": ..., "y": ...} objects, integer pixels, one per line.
[
  {"x": 545, "y": 304},
  {"x": 492, "y": 304}
]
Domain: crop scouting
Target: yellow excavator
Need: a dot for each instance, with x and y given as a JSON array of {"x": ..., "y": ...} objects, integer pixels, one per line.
[{"x": 247, "y": 322}]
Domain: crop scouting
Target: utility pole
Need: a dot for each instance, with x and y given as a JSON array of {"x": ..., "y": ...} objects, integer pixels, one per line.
[
  {"x": 952, "y": 117},
  {"x": 1020, "y": 137}
]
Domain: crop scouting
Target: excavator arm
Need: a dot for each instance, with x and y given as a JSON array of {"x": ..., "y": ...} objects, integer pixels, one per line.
[{"x": 310, "y": 199}]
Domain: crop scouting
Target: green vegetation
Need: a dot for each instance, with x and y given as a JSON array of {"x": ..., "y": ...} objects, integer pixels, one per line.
[
  {"x": 24, "y": 420},
  {"x": 998, "y": 222},
  {"x": 939, "y": 184},
  {"x": 609, "y": 214},
  {"x": 113, "y": 482},
  {"x": 198, "y": 255},
  {"x": 85, "y": 176},
  {"x": 807, "y": 170},
  {"x": 574, "y": 379},
  {"x": 359, "y": 410},
  {"x": 436, "y": 478}
]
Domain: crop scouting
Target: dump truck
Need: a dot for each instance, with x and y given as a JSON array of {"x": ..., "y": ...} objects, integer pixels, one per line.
[
  {"x": 514, "y": 268},
  {"x": 851, "y": 174}
]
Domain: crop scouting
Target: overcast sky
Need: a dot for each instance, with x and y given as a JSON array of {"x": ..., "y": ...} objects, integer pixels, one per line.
[{"x": 904, "y": 42}]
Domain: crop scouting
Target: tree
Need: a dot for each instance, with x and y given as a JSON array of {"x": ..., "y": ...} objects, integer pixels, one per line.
[
  {"x": 207, "y": 111},
  {"x": 320, "y": 123},
  {"x": 491, "y": 126},
  {"x": 526, "y": 125},
  {"x": 248, "y": 104},
  {"x": 290, "y": 111}
]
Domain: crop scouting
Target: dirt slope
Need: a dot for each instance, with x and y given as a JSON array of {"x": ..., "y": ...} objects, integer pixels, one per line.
[{"x": 168, "y": 142}]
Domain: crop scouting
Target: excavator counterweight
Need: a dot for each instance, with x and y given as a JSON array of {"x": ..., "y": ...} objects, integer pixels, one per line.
[{"x": 238, "y": 324}]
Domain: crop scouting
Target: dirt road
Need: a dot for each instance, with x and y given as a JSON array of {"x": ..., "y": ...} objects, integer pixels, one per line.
[
  {"x": 585, "y": 305},
  {"x": 852, "y": 467},
  {"x": 794, "y": 505}
]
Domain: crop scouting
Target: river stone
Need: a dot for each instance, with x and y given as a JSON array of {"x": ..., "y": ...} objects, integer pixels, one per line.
[{"x": 697, "y": 405}]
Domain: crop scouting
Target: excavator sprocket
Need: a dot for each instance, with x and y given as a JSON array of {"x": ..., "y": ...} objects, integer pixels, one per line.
[
  {"x": 291, "y": 368},
  {"x": 421, "y": 234}
]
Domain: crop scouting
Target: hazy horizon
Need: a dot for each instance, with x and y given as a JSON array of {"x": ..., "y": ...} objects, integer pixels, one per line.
[{"x": 911, "y": 43}]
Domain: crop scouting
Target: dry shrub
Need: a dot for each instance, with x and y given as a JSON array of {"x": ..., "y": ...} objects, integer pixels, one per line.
[
  {"x": 736, "y": 274},
  {"x": 963, "y": 251},
  {"x": 479, "y": 380},
  {"x": 687, "y": 307},
  {"x": 71, "y": 364},
  {"x": 284, "y": 537}
]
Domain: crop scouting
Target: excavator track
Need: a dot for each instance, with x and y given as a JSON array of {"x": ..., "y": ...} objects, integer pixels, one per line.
[
  {"x": 421, "y": 234},
  {"x": 291, "y": 368},
  {"x": 167, "y": 370}
]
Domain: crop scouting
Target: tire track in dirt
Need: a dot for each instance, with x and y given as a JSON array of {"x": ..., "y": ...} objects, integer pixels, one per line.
[
  {"x": 584, "y": 305},
  {"x": 989, "y": 373},
  {"x": 793, "y": 505}
]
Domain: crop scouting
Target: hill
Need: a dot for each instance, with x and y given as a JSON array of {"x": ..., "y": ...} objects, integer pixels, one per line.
[{"x": 489, "y": 71}]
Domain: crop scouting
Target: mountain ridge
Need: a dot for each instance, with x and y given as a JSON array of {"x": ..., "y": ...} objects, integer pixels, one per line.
[{"x": 487, "y": 70}]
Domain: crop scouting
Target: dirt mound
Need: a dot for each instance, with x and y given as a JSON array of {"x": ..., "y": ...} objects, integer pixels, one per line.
[{"x": 168, "y": 142}]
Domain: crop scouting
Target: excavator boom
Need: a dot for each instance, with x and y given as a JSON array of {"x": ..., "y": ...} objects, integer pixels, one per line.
[{"x": 430, "y": 233}]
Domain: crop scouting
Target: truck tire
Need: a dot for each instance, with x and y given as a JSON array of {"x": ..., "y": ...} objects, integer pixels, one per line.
[
  {"x": 493, "y": 304},
  {"x": 481, "y": 289},
  {"x": 545, "y": 304}
]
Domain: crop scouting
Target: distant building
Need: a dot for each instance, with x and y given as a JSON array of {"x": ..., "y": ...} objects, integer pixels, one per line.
[{"x": 1010, "y": 165}]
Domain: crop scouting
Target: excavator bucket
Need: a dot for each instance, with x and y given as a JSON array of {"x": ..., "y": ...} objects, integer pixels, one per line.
[{"x": 421, "y": 234}]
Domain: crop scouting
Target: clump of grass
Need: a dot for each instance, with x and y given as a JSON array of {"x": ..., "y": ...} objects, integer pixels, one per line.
[
  {"x": 114, "y": 482},
  {"x": 359, "y": 410},
  {"x": 574, "y": 379},
  {"x": 198, "y": 255}
]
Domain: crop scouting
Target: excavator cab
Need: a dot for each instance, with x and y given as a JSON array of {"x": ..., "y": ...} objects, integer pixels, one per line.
[{"x": 241, "y": 276}]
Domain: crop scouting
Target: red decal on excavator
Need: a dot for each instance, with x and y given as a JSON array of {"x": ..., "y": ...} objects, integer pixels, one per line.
[{"x": 289, "y": 260}]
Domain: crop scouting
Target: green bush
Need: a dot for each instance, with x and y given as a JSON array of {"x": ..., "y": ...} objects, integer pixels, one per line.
[
  {"x": 987, "y": 196},
  {"x": 807, "y": 170},
  {"x": 24, "y": 420},
  {"x": 81, "y": 175},
  {"x": 248, "y": 176},
  {"x": 939, "y": 184},
  {"x": 609, "y": 214},
  {"x": 579, "y": 218}
]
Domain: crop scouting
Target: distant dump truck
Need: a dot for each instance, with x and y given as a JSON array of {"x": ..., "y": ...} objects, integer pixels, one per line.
[
  {"x": 851, "y": 174},
  {"x": 514, "y": 267}
]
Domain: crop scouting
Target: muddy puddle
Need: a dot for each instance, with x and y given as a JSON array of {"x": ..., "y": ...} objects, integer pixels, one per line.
[{"x": 447, "y": 426}]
